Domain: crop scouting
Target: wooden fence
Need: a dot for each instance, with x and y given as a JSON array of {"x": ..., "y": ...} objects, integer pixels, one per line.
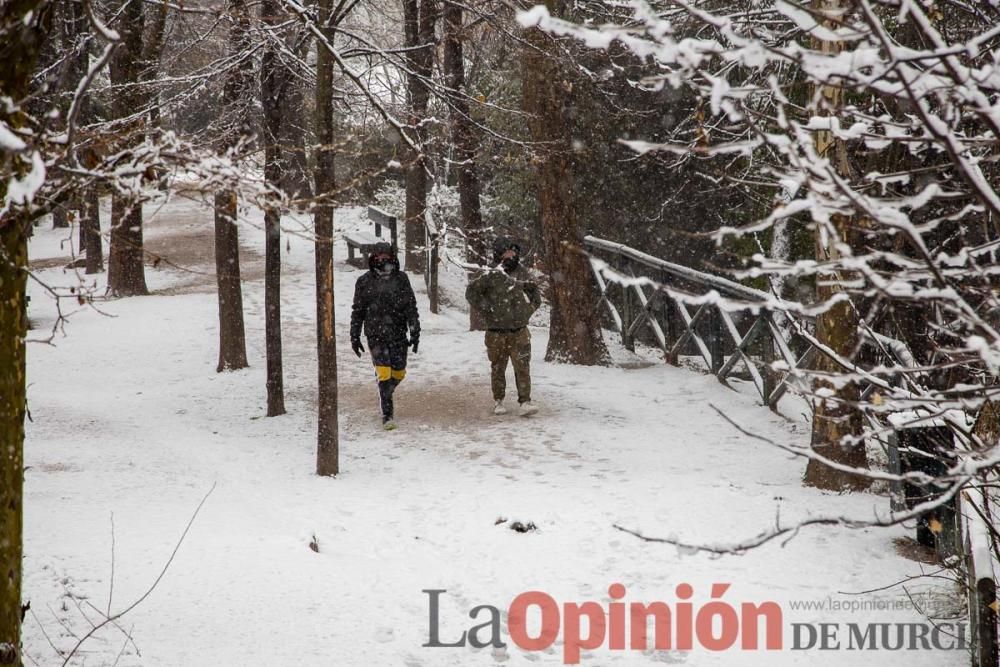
[
  {"x": 982, "y": 586},
  {"x": 729, "y": 326},
  {"x": 639, "y": 308}
]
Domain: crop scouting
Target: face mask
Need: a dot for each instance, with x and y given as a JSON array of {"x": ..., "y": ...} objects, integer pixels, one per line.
[
  {"x": 385, "y": 269},
  {"x": 510, "y": 263}
]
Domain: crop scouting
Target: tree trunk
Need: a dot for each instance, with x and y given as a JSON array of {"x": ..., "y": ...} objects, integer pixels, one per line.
[
  {"x": 155, "y": 34},
  {"x": 79, "y": 208},
  {"x": 77, "y": 27},
  {"x": 90, "y": 223},
  {"x": 13, "y": 327},
  {"x": 466, "y": 144},
  {"x": 418, "y": 23},
  {"x": 295, "y": 167},
  {"x": 837, "y": 424},
  {"x": 414, "y": 225},
  {"x": 272, "y": 312},
  {"x": 327, "y": 437},
  {"x": 89, "y": 198},
  {"x": 232, "y": 337},
  {"x": 271, "y": 103},
  {"x": 126, "y": 273},
  {"x": 60, "y": 219},
  {"x": 575, "y": 329},
  {"x": 24, "y": 26},
  {"x": 232, "y": 333}
]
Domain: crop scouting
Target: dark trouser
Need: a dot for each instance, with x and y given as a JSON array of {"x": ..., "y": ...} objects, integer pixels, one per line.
[
  {"x": 389, "y": 360},
  {"x": 515, "y": 346}
]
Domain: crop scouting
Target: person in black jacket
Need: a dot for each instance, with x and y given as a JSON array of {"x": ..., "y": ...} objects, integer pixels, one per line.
[{"x": 386, "y": 308}]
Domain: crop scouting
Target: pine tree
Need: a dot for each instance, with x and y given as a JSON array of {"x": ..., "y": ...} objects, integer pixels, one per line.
[{"x": 575, "y": 331}]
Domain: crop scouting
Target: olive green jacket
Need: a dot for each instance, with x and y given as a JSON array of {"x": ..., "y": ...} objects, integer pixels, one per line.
[{"x": 506, "y": 301}]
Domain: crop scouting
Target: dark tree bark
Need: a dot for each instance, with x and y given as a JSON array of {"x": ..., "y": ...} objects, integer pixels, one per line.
[
  {"x": 232, "y": 333},
  {"x": 79, "y": 207},
  {"x": 327, "y": 437},
  {"x": 87, "y": 199},
  {"x": 90, "y": 224},
  {"x": 575, "y": 328},
  {"x": 466, "y": 142},
  {"x": 272, "y": 312},
  {"x": 74, "y": 45},
  {"x": 837, "y": 423},
  {"x": 270, "y": 95},
  {"x": 78, "y": 33},
  {"x": 295, "y": 167},
  {"x": 126, "y": 272},
  {"x": 155, "y": 33},
  {"x": 60, "y": 218},
  {"x": 232, "y": 336},
  {"x": 13, "y": 328},
  {"x": 23, "y": 29},
  {"x": 418, "y": 23}
]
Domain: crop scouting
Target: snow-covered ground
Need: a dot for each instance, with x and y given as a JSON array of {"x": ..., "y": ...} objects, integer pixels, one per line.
[{"x": 131, "y": 427}]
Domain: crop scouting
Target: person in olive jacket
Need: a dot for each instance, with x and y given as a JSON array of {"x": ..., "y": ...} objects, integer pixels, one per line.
[
  {"x": 507, "y": 298},
  {"x": 386, "y": 308}
]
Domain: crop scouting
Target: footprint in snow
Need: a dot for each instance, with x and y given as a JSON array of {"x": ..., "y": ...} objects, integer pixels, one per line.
[{"x": 669, "y": 657}]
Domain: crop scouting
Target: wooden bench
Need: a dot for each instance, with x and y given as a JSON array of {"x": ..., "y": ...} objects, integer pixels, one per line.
[{"x": 363, "y": 242}]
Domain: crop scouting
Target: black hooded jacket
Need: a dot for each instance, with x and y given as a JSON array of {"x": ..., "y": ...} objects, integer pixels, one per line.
[
  {"x": 502, "y": 244},
  {"x": 384, "y": 306}
]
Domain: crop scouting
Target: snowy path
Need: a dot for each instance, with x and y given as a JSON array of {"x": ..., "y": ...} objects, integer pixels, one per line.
[{"x": 130, "y": 418}]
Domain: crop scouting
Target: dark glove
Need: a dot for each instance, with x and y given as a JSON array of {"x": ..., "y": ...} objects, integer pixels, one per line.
[
  {"x": 414, "y": 342},
  {"x": 356, "y": 346}
]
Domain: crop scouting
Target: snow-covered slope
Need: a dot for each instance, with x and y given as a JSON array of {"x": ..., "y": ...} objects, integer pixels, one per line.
[{"x": 131, "y": 427}]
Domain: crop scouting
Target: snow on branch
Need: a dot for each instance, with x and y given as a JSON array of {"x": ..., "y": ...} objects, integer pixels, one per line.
[{"x": 883, "y": 146}]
